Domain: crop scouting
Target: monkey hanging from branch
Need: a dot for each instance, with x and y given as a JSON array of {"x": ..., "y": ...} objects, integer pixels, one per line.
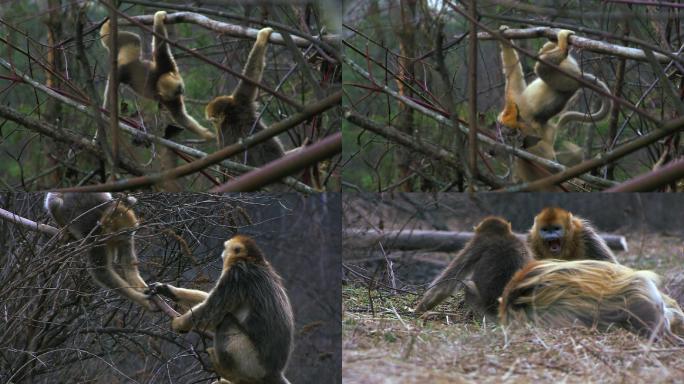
[
  {"x": 530, "y": 107},
  {"x": 235, "y": 116},
  {"x": 558, "y": 234},
  {"x": 249, "y": 311},
  {"x": 95, "y": 215},
  {"x": 157, "y": 79}
]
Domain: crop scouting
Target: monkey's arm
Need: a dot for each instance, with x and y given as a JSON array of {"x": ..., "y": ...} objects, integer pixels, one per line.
[
  {"x": 513, "y": 71},
  {"x": 183, "y": 296},
  {"x": 254, "y": 68},
  {"x": 448, "y": 281}
]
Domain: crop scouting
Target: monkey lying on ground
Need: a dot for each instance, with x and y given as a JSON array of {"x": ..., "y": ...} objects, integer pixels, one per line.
[
  {"x": 249, "y": 311},
  {"x": 157, "y": 79},
  {"x": 87, "y": 214},
  {"x": 588, "y": 292},
  {"x": 529, "y": 108},
  {"x": 558, "y": 234},
  {"x": 492, "y": 256},
  {"x": 235, "y": 116}
]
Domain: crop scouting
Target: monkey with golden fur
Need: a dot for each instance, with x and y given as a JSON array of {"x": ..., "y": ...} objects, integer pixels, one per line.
[
  {"x": 591, "y": 293},
  {"x": 558, "y": 234},
  {"x": 529, "y": 108},
  {"x": 235, "y": 116},
  {"x": 157, "y": 79},
  {"x": 88, "y": 214},
  {"x": 488, "y": 261},
  {"x": 249, "y": 311}
]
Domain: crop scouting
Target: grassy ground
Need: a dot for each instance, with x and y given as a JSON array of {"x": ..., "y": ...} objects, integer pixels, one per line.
[{"x": 383, "y": 342}]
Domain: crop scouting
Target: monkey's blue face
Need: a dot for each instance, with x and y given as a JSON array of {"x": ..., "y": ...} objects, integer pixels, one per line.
[{"x": 552, "y": 235}]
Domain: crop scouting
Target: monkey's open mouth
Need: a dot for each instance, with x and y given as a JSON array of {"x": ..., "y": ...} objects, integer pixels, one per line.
[{"x": 554, "y": 245}]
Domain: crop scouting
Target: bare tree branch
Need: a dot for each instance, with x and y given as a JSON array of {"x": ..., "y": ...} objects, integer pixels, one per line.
[{"x": 287, "y": 165}]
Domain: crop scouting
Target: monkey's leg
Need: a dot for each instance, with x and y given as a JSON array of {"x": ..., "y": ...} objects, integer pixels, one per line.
[
  {"x": 254, "y": 67},
  {"x": 234, "y": 355},
  {"x": 513, "y": 71},
  {"x": 103, "y": 273}
]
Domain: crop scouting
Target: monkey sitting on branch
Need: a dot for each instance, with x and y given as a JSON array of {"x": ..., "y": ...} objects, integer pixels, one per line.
[
  {"x": 87, "y": 215},
  {"x": 157, "y": 79},
  {"x": 529, "y": 108},
  {"x": 591, "y": 293},
  {"x": 483, "y": 268},
  {"x": 249, "y": 311},
  {"x": 235, "y": 116}
]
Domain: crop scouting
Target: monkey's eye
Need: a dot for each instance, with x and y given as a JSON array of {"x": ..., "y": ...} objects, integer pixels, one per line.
[{"x": 237, "y": 249}]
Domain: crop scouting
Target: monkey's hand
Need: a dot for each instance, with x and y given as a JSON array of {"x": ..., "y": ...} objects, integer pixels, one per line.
[
  {"x": 160, "y": 16},
  {"x": 162, "y": 289},
  {"x": 263, "y": 35}
]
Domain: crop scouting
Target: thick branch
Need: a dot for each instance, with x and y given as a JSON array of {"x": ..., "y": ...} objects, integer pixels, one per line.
[
  {"x": 232, "y": 30},
  {"x": 434, "y": 241},
  {"x": 577, "y": 41},
  {"x": 652, "y": 180},
  {"x": 284, "y": 166},
  {"x": 218, "y": 156}
]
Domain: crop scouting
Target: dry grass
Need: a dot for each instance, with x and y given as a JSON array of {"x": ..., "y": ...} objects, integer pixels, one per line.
[{"x": 383, "y": 342}]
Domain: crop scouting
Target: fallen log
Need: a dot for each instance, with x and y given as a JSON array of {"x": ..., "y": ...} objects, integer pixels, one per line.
[{"x": 433, "y": 241}]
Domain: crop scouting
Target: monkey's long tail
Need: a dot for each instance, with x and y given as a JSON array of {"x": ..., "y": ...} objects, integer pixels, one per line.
[
  {"x": 442, "y": 287},
  {"x": 602, "y": 113}
]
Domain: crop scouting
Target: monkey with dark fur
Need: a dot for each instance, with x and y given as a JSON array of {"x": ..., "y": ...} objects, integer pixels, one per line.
[
  {"x": 488, "y": 261},
  {"x": 235, "y": 116},
  {"x": 156, "y": 79},
  {"x": 249, "y": 311},
  {"x": 86, "y": 214}
]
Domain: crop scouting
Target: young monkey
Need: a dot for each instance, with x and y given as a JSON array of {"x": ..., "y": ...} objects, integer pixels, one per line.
[
  {"x": 249, "y": 311},
  {"x": 529, "y": 108},
  {"x": 157, "y": 79},
  {"x": 235, "y": 116}
]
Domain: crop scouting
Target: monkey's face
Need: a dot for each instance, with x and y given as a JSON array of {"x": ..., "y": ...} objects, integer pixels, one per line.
[{"x": 552, "y": 236}]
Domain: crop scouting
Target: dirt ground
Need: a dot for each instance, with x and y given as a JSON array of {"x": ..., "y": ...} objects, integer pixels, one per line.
[{"x": 383, "y": 342}]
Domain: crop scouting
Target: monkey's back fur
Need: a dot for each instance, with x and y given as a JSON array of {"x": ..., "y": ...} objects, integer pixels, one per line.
[{"x": 592, "y": 293}]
